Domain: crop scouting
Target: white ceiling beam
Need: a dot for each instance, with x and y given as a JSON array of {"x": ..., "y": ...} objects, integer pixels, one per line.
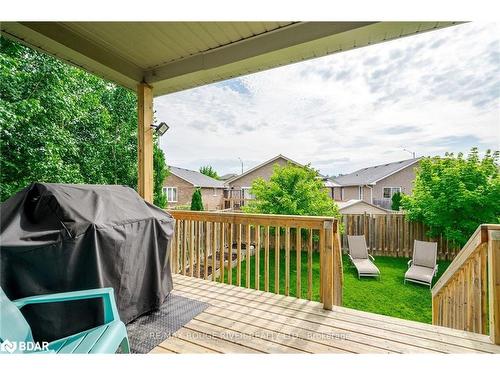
[
  {"x": 284, "y": 37},
  {"x": 289, "y": 44}
]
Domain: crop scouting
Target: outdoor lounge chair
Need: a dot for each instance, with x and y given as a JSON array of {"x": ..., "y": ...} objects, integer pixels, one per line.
[
  {"x": 16, "y": 336},
  {"x": 423, "y": 267},
  {"x": 358, "y": 254}
]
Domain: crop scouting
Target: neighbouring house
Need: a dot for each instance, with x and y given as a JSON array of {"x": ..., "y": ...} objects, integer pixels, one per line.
[
  {"x": 238, "y": 187},
  {"x": 181, "y": 183},
  {"x": 357, "y": 206},
  {"x": 330, "y": 185},
  {"x": 376, "y": 185}
]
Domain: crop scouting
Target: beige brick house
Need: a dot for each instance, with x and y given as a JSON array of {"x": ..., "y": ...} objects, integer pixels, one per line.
[
  {"x": 373, "y": 185},
  {"x": 238, "y": 187},
  {"x": 181, "y": 183},
  {"x": 376, "y": 185}
]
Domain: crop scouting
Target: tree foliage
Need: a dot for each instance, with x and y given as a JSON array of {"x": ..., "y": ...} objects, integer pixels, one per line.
[
  {"x": 292, "y": 190},
  {"x": 453, "y": 195},
  {"x": 61, "y": 124},
  {"x": 207, "y": 170},
  {"x": 396, "y": 201},
  {"x": 160, "y": 172},
  {"x": 196, "y": 201}
]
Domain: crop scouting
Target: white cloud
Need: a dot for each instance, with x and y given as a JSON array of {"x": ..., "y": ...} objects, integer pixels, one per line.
[{"x": 430, "y": 93}]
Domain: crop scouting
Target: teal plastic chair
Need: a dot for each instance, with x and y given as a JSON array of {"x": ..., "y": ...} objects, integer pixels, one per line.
[{"x": 107, "y": 338}]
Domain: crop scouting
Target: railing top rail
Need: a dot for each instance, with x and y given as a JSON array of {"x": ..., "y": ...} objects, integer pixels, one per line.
[
  {"x": 311, "y": 222},
  {"x": 479, "y": 237}
]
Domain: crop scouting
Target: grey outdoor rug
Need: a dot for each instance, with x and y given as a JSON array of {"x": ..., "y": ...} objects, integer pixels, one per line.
[{"x": 147, "y": 331}]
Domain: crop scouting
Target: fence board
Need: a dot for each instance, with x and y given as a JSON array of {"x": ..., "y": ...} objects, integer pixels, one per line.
[{"x": 392, "y": 235}]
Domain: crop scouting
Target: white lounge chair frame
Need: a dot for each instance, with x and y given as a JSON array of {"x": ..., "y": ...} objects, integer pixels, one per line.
[
  {"x": 418, "y": 244},
  {"x": 369, "y": 257}
]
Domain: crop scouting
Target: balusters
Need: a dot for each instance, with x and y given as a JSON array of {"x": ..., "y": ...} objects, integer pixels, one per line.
[
  {"x": 230, "y": 255},
  {"x": 247, "y": 256},
  {"x": 257, "y": 257},
  {"x": 198, "y": 248},
  {"x": 214, "y": 249},
  {"x": 205, "y": 253},
  {"x": 238, "y": 255},
  {"x": 191, "y": 247},
  {"x": 222, "y": 227},
  {"x": 298, "y": 252},
  {"x": 309, "y": 265},
  {"x": 277, "y": 260},
  {"x": 266, "y": 259}
]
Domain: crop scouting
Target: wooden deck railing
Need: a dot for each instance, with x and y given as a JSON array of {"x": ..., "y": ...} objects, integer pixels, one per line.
[
  {"x": 212, "y": 245},
  {"x": 467, "y": 296}
]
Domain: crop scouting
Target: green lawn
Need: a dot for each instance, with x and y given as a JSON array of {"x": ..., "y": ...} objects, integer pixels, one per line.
[{"x": 389, "y": 296}]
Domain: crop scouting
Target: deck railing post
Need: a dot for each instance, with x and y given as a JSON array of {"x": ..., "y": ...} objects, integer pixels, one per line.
[
  {"x": 327, "y": 265},
  {"x": 494, "y": 284},
  {"x": 338, "y": 278}
]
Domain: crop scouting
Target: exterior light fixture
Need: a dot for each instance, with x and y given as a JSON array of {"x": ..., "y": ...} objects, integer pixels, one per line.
[{"x": 161, "y": 128}]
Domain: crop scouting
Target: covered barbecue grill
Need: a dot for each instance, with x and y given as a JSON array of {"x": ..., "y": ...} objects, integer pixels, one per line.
[{"x": 59, "y": 237}]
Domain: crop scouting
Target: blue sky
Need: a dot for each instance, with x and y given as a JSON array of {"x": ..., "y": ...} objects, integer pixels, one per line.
[{"x": 430, "y": 93}]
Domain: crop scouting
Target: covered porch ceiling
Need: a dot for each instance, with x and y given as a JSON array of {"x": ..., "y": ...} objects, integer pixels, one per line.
[
  {"x": 173, "y": 56},
  {"x": 157, "y": 58}
]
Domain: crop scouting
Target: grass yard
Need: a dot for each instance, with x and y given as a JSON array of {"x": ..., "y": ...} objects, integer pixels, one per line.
[{"x": 389, "y": 296}]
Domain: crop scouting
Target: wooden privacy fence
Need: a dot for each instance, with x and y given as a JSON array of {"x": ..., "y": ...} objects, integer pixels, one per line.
[
  {"x": 467, "y": 296},
  {"x": 212, "y": 245},
  {"x": 392, "y": 235}
]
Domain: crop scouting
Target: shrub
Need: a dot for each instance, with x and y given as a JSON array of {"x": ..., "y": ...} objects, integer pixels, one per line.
[
  {"x": 396, "y": 201},
  {"x": 196, "y": 201}
]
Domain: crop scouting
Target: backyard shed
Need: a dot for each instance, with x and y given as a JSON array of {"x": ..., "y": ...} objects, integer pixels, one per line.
[{"x": 357, "y": 206}]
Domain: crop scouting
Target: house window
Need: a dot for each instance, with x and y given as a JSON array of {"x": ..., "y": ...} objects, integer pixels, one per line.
[
  {"x": 341, "y": 193},
  {"x": 390, "y": 191},
  {"x": 246, "y": 193},
  {"x": 215, "y": 192},
  {"x": 171, "y": 193},
  {"x": 360, "y": 192}
]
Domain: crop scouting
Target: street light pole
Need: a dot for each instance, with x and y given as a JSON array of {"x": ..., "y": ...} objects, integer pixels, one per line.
[
  {"x": 241, "y": 164},
  {"x": 411, "y": 152}
]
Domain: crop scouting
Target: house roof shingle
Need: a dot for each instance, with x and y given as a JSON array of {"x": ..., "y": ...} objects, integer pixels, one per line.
[
  {"x": 196, "y": 178},
  {"x": 227, "y": 176},
  {"x": 371, "y": 175}
]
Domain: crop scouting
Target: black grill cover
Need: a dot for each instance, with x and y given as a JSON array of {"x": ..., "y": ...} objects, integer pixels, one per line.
[{"x": 59, "y": 238}]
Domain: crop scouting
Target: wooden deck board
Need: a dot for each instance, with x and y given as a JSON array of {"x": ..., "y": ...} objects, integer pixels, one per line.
[
  {"x": 380, "y": 327},
  {"x": 242, "y": 320}
]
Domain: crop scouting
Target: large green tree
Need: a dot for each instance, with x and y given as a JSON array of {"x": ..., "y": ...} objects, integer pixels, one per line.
[
  {"x": 292, "y": 190},
  {"x": 453, "y": 195},
  {"x": 61, "y": 124}
]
